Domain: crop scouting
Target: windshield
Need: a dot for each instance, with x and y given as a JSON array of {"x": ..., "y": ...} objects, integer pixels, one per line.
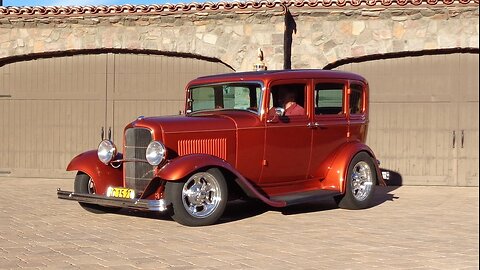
[{"x": 237, "y": 96}]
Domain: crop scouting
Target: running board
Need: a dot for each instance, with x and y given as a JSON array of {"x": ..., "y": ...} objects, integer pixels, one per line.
[{"x": 304, "y": 197}]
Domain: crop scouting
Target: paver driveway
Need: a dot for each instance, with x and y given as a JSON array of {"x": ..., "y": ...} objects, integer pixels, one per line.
[{"x": 409, "y": 228}]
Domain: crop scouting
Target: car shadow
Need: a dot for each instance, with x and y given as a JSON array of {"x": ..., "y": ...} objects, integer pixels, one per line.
[
  {"x": 240, "y": 210},
  {"x": 144, "y": 214},
  {"x": 384, "y": 194},
  {"x": 244, "y": 209}
]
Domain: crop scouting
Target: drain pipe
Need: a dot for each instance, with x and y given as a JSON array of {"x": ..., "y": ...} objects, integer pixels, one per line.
[{"x": 290, "y": 29}]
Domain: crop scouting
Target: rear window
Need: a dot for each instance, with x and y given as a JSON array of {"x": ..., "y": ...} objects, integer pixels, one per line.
[{"x": 356, "y": 99}]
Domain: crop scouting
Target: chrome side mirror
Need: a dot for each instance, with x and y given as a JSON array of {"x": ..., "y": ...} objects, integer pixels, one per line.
[
  {"x": 275, "y": 117},
  {"x": 279, "y": 111}
]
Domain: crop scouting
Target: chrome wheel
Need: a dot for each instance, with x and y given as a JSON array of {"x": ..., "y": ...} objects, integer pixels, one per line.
[
  {"x": 91, "y": 186},
  {"x": 361, "y": 180},
  {"x": 201, "y": 195}
]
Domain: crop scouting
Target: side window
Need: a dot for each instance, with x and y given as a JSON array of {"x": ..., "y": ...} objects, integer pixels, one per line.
[
  {"x": 356, "y": 99},
  {"x": 329, "y": 98},
  {"x": 291, "y": 97}
]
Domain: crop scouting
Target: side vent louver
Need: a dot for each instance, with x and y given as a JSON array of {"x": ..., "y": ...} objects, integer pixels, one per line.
[{"x": 214, "y": 147}]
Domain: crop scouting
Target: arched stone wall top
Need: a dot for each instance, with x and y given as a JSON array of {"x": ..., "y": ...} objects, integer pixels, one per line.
[
  {"x": 391, "y": 55},
  {"x": 52, "y": 54},
  {"x": 322, "y": 36},
  {"x": 218, "y": 6}
]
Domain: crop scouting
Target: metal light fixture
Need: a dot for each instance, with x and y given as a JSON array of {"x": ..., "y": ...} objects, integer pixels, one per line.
[{"x": 260, "y": 65}]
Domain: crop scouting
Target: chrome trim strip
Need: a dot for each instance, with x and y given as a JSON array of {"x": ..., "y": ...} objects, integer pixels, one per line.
[
  {"x": 139, "y": 204},
  {"x": 129, "y": 160}
]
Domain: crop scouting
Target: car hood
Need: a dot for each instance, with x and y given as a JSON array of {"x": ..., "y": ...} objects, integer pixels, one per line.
[{"x": 184, "y": 124}]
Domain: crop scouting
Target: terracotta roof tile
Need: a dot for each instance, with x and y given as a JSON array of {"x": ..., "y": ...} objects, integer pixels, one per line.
[{"x": 210, "y": 6}]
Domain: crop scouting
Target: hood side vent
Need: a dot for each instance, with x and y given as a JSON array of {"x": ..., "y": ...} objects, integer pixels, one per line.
[{"x": 214, "y": 147}]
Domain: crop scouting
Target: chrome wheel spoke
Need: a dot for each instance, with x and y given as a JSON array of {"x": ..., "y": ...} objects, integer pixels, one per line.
[
  {"x": 192, "y": 208},
  {"x": 201, "y": 195},
  {"x": 361, "y": 180}
]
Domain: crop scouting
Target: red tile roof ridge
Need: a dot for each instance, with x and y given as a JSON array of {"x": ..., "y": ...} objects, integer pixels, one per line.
[{"x": 213, "y": 6}]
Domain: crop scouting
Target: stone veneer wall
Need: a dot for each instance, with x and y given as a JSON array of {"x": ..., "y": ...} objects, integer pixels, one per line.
[{"x": 323, "y": 35}]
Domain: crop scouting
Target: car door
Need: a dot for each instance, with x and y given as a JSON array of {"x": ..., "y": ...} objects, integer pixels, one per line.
[
  {"x": 330, "y": 124},
  {"x": 287, "y": 138}
]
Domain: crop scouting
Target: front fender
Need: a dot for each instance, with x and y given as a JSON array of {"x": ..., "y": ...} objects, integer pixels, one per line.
[
  {"x": 337, "y": 172},
  {"x": 179, "y": 168},
  {"x": 103, "y": 175}
]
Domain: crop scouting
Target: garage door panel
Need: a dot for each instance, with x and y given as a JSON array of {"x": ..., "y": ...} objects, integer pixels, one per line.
[
  {"x": 52, "y": 109},
  {"x": 468, "y": 86},
  {"x": 157, "y": 76},
  {"x": 414, "y": 140},
  {"x": 468, "y": 144},
  {"x": 411, "y": 79},
  {"x": 43, "y": 135},
  {"x": 56, "y": 107},
  {"x": 55, "y": 78}
]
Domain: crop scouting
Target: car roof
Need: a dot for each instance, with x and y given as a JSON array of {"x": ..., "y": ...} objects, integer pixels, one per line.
[{"x": 272, "y": 75}]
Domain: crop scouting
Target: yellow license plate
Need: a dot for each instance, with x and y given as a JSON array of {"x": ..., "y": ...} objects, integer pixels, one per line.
[{"x": 118, "y": 192}]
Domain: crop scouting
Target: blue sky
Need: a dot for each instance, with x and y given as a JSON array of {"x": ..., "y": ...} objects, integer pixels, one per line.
[{"x": 91, "y": 2}]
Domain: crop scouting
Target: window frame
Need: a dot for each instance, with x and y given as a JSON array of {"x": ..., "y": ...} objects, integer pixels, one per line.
[
  {"x": 363, "y": 109},
  {"x": 189, "y": 99},
  {"x": 307, "y": 97},
  {"x": 343, "y": 115}
]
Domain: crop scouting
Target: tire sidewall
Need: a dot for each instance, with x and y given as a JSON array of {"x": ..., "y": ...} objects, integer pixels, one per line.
[
  {"x": 349, "y": 201},
  {"x": 173, "y": 193},
  {"x": 81, "y": 187}
]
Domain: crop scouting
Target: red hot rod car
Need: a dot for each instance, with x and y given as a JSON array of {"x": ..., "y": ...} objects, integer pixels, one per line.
[{"x": 283, "y": 137}]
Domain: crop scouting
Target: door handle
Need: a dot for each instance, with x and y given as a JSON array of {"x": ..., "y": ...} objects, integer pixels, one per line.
[
  {"x": 109, "y": 133},
  {"x": 462, "y": 137},
  {"x": 313, "y": 125},
  {"x": 5, "y": 96},
  {"x": 102, "y": 134},
  {"x": 453, "y": 143}
]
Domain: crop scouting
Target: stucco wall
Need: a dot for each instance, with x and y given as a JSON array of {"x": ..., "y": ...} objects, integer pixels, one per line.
[{"x": 324, "y": 35}]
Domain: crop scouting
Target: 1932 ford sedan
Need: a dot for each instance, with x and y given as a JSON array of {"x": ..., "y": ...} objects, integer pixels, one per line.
[{"x": 283, "y": 137}]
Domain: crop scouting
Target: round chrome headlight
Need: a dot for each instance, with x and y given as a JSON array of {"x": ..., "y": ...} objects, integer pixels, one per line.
[
  {"x": 155, "y": 153},
  {"x": 106, "y": 151}
]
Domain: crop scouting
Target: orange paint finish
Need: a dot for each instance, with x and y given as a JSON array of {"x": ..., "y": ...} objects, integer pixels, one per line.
[
  {"x": 337, "y": 173},
  {"x": 268, "y": 156},
  {"x": 102, "y": 175}
]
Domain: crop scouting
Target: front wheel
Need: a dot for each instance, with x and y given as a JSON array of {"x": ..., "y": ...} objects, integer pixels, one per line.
[
  {"x": 360, "y": 183},
  {"x": 84, "y": 184},
  {"x": 200, "y": 200}
]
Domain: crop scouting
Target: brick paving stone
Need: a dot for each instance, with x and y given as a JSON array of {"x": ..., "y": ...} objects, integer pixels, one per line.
[{"x": 409, "y": 228}]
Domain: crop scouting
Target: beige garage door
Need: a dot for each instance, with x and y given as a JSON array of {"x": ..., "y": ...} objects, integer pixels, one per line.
[
  {"x": 52, "y": 109},
  {"x": 424, "y": 117}
]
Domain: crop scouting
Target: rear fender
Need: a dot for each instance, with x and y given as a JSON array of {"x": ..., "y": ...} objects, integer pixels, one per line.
[
  {"x": 103, "y": 175},
  {"x": 179, "y": 168},
  {"x": 337, "y": 174}
]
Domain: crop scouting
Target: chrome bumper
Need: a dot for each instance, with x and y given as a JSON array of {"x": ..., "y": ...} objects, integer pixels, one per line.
[{"x": 139, "y": 204}]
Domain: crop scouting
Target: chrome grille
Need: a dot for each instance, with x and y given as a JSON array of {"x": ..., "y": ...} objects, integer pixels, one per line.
[{"x": 137, "y": 174}]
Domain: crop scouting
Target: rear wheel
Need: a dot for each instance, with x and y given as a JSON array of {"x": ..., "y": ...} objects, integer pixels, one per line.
[
  {"x": 84, "y": 184},
  {"x": 360, "y": 185},
  {"x": 200, "y": 200}
]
